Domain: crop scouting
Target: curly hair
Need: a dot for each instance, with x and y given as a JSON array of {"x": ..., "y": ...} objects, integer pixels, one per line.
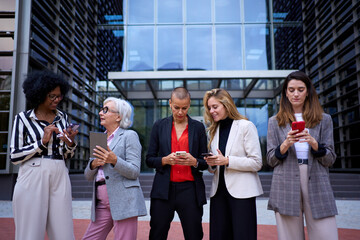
[{"x": 38, "y": 84}]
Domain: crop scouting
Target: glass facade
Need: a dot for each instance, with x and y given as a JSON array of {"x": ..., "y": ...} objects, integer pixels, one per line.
[
  {"x": 201, "y": 45},
  {"x": 207, "y": 34}
]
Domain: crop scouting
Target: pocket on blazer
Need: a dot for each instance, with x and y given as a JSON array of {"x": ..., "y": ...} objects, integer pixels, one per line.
[{"x": 133, "y": 183}]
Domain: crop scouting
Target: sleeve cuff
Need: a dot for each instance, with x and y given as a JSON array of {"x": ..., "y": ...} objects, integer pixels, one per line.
[
  {"x": 320, "y": 152},
  {"x": 278, "y": 154}
]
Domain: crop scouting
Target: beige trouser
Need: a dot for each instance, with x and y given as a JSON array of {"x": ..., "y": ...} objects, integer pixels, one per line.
[
  {"x": 289, "y": 227},
  {"x": 42, "y": 201}
]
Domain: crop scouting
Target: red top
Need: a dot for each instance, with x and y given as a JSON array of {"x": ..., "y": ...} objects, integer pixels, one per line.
[{"x": 180, "y": 173}]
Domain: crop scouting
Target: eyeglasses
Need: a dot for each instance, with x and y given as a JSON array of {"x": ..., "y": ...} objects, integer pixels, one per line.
[
  {"x": 53, "y": 97},
  {"x": 106, "y": 109}
]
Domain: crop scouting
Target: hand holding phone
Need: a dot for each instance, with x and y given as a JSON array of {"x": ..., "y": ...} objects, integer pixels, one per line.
[{"x": 300, "y": 125}]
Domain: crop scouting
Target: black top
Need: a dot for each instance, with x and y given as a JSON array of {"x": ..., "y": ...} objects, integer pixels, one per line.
[{"x": 225, "y": 126}]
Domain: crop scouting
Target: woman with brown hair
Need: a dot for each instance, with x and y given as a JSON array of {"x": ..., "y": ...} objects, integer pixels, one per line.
[
  {"x": 235, "y": 160},
  {"x": 300, "y": 184}
]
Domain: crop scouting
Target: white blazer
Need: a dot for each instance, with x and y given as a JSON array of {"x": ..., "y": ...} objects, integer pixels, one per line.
[{"x": 243, "y": 150}]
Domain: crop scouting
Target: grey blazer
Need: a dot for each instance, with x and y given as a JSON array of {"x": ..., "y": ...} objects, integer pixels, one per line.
[
  {"x": 285, "y": 187},
  {"x": 122, "y": 180}
]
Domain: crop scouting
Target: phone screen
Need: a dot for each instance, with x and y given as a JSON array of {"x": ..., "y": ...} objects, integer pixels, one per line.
[{"x": 74, "y": 126}]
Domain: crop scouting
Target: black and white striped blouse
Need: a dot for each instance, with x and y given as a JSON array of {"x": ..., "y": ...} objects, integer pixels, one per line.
[{"x": 28, "y": 132}]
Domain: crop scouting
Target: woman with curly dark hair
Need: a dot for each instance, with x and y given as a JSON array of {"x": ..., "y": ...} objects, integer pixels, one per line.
[{"x": 41, "y": 142}]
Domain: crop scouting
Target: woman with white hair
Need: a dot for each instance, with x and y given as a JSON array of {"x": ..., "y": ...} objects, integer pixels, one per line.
[{"x": 117, "y": 198}]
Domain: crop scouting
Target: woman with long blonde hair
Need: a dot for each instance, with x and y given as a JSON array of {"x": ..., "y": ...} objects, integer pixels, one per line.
[{"x": 235, "y": 160}]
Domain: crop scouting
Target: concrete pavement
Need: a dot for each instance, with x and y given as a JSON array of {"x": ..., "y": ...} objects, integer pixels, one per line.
[{"x": 348, "y": 220}]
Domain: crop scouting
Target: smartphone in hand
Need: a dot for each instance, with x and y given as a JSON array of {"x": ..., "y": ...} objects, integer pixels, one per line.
[
  {"x": 300, "y": 125},
  {"x": 206, "y": 154},
  {"x": 180, "y": 153},
  {"x": 73, "y": 126}
]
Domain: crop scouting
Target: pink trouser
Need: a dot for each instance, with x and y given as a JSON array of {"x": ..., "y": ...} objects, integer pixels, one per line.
[
  {"x": 125, "y": 229},
  {"x": 289, "y": 227}
]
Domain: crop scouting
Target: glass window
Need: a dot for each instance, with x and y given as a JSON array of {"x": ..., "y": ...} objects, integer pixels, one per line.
[
  {"x": 257, "y": 48},
  {"x": 4, "y": 116},
  {"x": 227, "y": 11},
  {"x": 5, "y": 101},
  {"x": 7, "y": 24},
  {"x": 198, "y": 11},
  {"x": 199, "y": 50},
  {"x": 6, "y": 44},
  {"x": 6, "y": 63},
  {"x": 141, "y": 11},
  {"x": 256, "y": 10},
  {"x": 170, "y": 49},
  {"x": 169, "y": 11},
  {"x": 8, "y": 5},
  {"x": 288, "y": 47},
  {"x": 5, "y": 82},
  {"x": 228, "y": 48},
  {"x": 285, "y": 10},
  {"x": 140, "y": 49}
]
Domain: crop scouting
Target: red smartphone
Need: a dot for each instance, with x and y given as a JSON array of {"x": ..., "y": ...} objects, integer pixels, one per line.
[{"x": 298, "y": 125}]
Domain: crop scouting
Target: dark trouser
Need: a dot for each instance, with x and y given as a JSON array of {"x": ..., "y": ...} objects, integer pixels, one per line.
[
  {"x": 182, "y": 199},
  {"x": 232, "y": 218}
]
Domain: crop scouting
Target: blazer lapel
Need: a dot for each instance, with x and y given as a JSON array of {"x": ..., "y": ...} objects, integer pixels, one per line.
[
  {"x": 232, "y": 136},
  {"x": 168, "y": 129},
  {"x": 191, "y": 133},
  {"x": 116, "y": 139}
]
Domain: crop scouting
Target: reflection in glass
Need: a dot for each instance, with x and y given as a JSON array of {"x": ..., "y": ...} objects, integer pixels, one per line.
[
  {"x": 233, "y": 84},
  {"x": 228, "y": 48},
  {"x": 140, "y": 49},
  {"x": 170, "y": 50},
  {"x": 288, "y": 47},
  {"x": 264, "y": 84},
  {"x": 141, "y": 11},
  {"x": 6, "y": 63},
  {"x": 4, "y": 116},
  {"x": 5, "y": 82},
  {"x": 256, "y": 10},
  {"x": 169, "y": 11},
  {"x": 257, "y": 47},
  {"x": 198, "y": 11},
  {"x": 169, "y": 84},
  {"x": 5, "y": 101},
  {"x": 227, "y": 11},
  {"x": 199, "y": 51},
  {"x": 6, "y": 44},
  {"x": 137, "y": 85},
  {"x": 285, "y": 10}
]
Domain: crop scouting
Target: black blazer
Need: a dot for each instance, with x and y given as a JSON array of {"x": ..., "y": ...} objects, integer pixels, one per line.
[{"x": 160, "y": 146}]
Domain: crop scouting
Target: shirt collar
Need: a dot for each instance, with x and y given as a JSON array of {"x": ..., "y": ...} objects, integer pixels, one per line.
[{"x": 58, "y": 114}]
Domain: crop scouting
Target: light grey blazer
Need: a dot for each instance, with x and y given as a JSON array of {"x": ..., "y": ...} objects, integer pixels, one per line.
[
  {"x": 122, "y": 180},
  {"x": 285, "y": 187}
]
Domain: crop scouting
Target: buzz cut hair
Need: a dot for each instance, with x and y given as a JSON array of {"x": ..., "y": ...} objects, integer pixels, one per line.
[{"x": 180, "y": 93}]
